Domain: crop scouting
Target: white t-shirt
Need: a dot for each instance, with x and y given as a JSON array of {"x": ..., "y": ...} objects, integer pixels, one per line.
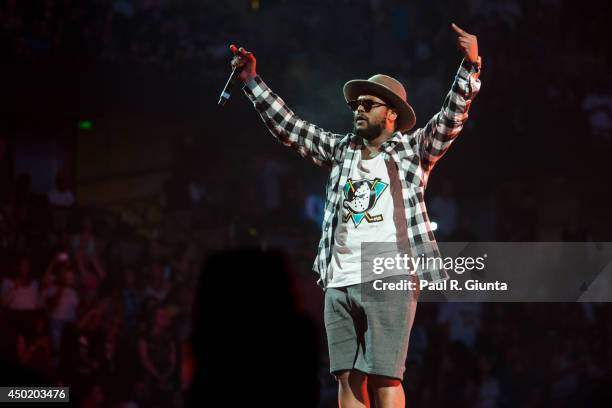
[
  {"x": 21, "y": 298},
  {"x": 66, "y": 308},
  {"x": 367, "y": 215}
]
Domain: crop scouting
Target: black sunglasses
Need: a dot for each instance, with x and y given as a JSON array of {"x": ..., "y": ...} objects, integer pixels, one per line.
[{"x": 366, "y": 103}]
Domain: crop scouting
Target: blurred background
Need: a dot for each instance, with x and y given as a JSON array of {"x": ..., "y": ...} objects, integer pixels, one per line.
[{"x": 119, "y": 175}]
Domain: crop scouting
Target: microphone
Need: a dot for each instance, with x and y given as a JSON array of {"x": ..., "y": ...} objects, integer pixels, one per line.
[{"x": 227, "y": 89}]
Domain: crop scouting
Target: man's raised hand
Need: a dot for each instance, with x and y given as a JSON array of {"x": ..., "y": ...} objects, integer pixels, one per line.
[
  {"x": 245, "y": 59},
  {"x": 466, "y": 43}
]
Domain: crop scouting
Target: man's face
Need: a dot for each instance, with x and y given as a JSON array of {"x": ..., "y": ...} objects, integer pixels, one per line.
[{"x": 369, "y": 125}]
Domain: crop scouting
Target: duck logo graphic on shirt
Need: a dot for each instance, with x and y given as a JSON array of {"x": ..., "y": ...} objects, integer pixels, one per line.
[{"x": 360, "y": 197}]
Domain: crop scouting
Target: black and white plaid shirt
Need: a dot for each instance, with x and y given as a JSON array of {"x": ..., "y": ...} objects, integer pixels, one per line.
[{"x": 415, "y": 153}]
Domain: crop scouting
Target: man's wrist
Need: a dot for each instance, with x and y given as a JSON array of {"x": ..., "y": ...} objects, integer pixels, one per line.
[
  {"x": 250, "y": 84},
  {"x": 249, "y": 78},
  {"x": 474, "y": 65}
]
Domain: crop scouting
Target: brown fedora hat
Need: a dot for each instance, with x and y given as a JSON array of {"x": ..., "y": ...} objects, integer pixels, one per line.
[{"x": 388, "y": 89}]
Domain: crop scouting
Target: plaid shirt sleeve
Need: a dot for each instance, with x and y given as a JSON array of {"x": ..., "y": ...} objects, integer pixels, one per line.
[
  {"x": 310, "y": 141},
  {"x": 436, "y": 136}
]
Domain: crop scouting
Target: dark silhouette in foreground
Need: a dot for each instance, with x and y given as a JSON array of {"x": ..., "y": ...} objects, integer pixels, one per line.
[{"x": 251, "y": 343}]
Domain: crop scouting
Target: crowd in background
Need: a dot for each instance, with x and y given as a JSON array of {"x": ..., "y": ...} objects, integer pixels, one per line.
[
  {"x": 86, "y": 301},
  {"x": 79, "y": 316}
]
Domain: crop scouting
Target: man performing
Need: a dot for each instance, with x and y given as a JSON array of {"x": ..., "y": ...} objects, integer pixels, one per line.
[{"x": 375, "y": 193}]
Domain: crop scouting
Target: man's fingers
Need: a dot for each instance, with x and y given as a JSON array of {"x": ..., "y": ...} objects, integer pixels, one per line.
[
  {"x": 240, "y": 54},
  {"x": 245, "y": 54},
  {"x": 457, "y": 29},
  {"x": 238, "y": 51}
]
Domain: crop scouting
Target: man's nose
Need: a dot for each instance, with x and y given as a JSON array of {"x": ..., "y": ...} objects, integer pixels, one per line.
[{"x": 360, "y": 108}]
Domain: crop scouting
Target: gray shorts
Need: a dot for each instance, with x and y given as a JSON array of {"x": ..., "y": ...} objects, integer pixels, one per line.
[{"x": 369, "y": 333}]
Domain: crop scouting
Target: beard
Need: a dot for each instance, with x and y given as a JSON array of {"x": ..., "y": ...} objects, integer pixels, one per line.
[{"x": 369, "y": 132}]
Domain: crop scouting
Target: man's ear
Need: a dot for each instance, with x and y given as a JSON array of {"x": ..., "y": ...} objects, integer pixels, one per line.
[{"x": 393, "y": 117}]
